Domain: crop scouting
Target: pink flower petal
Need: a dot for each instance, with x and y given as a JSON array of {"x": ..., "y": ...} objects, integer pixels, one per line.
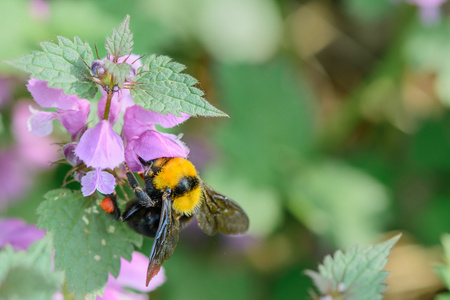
[
  {"x": 18, "y": 234},
  {"x": 40, "y": 123},
  {"x": 35, "y": 151},
  {"x": 75, "y": 120},
  {"x": 101, "y": 147},
  {"x": 130, "y": 59},
  {"x": 39, "y": 9},
  {"x": 131, "y": 158},
  {"x": 134, "y": 273},
  {"x": 69, "y": 154},
  {"x": 153, "y": 144},
  {"x": 429, "y": 14},
  {"x": 132, "y": 126},
  {"x": 137, "y": 120},
  {"x": 99, "y": 180},
  {"x": 15, "y": 179},
  {"x": 50, "y": 97}
]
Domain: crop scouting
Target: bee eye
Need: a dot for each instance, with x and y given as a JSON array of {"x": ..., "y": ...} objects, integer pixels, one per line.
[{"x": 98, "y": 68}]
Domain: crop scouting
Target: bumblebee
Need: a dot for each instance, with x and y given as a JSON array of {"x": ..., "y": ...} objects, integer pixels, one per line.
[{"x": 172, "y": 196}]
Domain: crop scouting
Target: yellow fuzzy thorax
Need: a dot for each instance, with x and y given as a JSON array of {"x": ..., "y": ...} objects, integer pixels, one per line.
[
  {"x": 187, "y": 203},
  {"x": 169, "y": 176}
]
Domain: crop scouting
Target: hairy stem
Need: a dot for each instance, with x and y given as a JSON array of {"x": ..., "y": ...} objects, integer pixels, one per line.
[{"x": 108, "y": 104}]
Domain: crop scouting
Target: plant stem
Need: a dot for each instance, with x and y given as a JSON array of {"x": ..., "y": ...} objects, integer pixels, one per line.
[{"x": 108, "y": 104}]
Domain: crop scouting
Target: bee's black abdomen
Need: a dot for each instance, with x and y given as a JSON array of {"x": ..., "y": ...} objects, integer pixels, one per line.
[{"x": 143, "y": 220}]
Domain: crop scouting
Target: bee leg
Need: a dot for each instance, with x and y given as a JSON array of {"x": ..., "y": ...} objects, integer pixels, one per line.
[
  {"x": 131, "y": 211},
  {"x": 143, "y": 198}
]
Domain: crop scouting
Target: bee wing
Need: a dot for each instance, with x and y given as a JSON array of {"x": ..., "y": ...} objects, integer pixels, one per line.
[
  {"x": 217, "y": 213},
  {"x": 166, "y": 238}
]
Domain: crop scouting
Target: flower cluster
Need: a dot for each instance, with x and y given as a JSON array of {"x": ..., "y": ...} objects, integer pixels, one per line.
[{"x": 99, "y": 150}]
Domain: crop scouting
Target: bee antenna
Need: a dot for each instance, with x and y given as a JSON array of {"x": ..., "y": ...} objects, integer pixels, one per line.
[{"x": 96, "y": 51}]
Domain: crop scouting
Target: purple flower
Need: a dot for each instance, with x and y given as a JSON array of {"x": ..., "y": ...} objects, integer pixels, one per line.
[
  {"x": 50, "y": 97},
  {"x": 14, "y": 180},
  {"x": 101, "y": 147},
  {"x": 69, "y": 154},
  {"x": 39, "y": 9},
  {"x": 20, "y": 161},
  {"x": 145, "y": 141},
  {"x": 99, "y": 180},
  {"x": 34, "y": 151},
  {"x": 429, "y": 9},
  {"x": 18, "y": 234},
  {"x": 137, "y": 120},
  {"x": 6, "y": 87},
  {"x": 72, "y": 112},
  {"x": 132, "y": 275},
  {"x": 153, "y": 144}
]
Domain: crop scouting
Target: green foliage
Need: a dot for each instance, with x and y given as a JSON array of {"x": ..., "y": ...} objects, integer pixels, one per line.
[
  {"x": 162, "y": 88},
  {"x": 28, "y": 274},
  {"x": 426, "y": 48},
  {"x": 119, "y": 71},
  {"x": 356, "y": 275},
  {"x": 368, "y": 9},
  {"x": 444, "y": 270},
  {"x": 88, "y": 243},
  {"x": 278, "y": 132},
  {"x": 120, "y": 42},
  {"x": 338, "y": 201},
  {"x": 62, "y": 66},
  {"x": 199, "y": 278}
]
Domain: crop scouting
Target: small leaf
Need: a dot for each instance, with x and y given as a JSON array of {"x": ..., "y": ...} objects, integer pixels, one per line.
[
  {"x": 62, "y": 66},
  {"x": 28, "y": 274},
  {"x": 88, "y": 243},
  {"x": 119, "y": 71},
  {"x": 162, "y": 88},
  {"x": 120, "y": 42},
  {"x": 357, "y": 274}
]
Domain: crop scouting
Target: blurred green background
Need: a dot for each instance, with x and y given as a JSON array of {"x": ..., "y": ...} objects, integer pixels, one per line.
[{"x": 339, "y": 130}]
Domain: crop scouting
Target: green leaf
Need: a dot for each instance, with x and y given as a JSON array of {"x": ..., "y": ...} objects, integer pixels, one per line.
[
  {"x": 62, "y": 66},
  {"x": 28, "y": 274},
  {"x": 357, "y": 274},
  {"x": 120, "y": 42},
  {"x": 119, "y": 71},
  {"x": 162, "y": 88},
  {"x": 88, "y": 243}
]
